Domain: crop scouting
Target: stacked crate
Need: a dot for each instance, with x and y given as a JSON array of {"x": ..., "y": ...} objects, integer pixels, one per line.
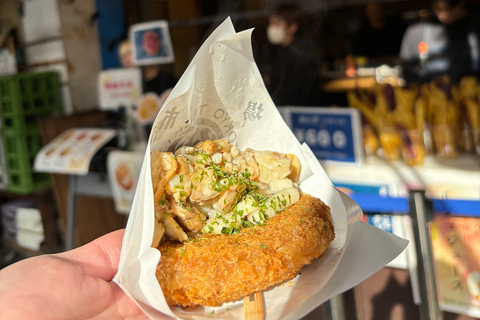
[
  {"x": 24, "y": 100},
  {"x": 3, "y": 164}
]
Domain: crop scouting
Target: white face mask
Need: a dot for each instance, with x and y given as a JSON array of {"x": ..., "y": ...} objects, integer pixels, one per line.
[{"x": 275, "y": 34}]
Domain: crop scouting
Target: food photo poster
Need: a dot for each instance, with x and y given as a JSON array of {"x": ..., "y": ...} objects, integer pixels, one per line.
[{"x": 151, "y": 43}]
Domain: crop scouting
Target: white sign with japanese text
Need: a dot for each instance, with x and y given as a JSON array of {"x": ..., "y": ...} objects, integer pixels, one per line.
[{"x": 119, "y": 87}]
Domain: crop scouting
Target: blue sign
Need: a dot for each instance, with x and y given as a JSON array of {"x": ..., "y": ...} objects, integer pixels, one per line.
[
  {"x": 333, "y": 134},
  {"x": 374, "y": 189}
]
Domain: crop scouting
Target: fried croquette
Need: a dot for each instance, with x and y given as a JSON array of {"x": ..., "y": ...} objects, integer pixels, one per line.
[{"x": 214, "y": 269}]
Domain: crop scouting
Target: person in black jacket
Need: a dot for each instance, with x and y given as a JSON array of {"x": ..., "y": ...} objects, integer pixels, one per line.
[
  {"x": 378, "y": 35},
  {"x": 445, "y": 45},
  {"x": 293, "y": 69}
]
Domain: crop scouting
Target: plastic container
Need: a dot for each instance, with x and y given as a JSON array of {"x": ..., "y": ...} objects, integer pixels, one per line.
[
  {"x": 476, "y": 138},
  {"x": 391, "y": 143},
  {"x": 370, "y": 140},
  {"x": 8, "y": 213},
  {"x": 3, "y": 168},
  {"x": 3, "y": 178},
  {"x": 24, "y": 98},
  {"x": 445, "y": 142},
  {"x": 413, "y": 148},
  {"x": 20, "y": 152}
]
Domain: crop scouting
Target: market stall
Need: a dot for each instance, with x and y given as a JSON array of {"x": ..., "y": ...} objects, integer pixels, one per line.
[{"x": 405, "y": 154}]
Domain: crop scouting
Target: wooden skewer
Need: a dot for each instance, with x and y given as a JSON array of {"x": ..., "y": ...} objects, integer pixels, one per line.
[{"x": 253, "y": 309}]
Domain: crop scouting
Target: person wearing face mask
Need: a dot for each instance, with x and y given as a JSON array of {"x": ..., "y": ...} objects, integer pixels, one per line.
[
  {"x": 293, "y": 69},
  {"x": 448, "y": 44}
]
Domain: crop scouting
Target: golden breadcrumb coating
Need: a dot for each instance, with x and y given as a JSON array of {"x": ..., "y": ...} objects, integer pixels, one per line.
[{"x": 213, "y": 269}]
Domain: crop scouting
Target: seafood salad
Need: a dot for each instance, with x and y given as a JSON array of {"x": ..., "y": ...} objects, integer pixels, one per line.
[
  {"x": 215, "y": 188},
  {"x": 218, "y": 222}
]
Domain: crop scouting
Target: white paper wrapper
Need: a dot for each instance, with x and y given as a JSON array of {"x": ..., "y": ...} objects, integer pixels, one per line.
[{"x": 222, "y": 95}]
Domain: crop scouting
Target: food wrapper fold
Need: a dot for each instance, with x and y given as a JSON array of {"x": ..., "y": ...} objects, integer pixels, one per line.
[{"x": 222, "y": 95}]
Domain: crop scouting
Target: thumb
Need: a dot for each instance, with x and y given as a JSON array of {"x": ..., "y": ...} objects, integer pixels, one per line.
[{"x": 100, "y": 257}]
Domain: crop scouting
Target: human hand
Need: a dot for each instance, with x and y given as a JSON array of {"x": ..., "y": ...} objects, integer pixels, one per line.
[{"x": 71, "y": 285}]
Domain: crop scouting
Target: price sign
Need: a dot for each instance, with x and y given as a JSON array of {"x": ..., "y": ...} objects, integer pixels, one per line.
[{"x": 333, "y": 134}]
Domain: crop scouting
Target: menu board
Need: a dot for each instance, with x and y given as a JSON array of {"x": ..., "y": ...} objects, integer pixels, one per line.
[
  {"x": 72, "y": 151},
  {"x": 456, "y": 250}
]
